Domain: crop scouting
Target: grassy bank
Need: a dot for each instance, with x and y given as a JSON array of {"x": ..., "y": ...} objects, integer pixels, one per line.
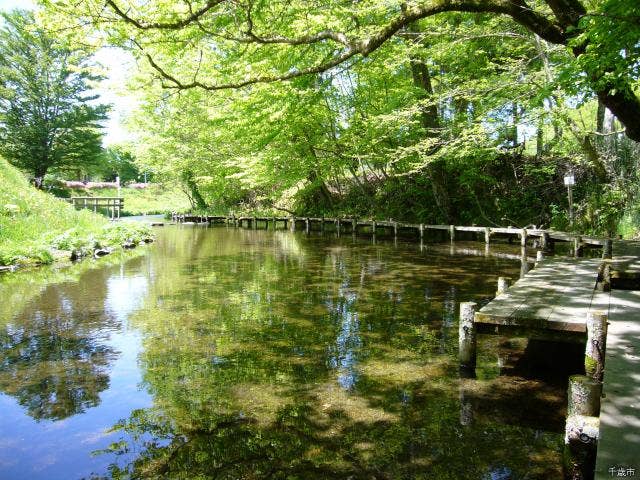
[
  {"x": 36, "y": 228},
  {"x": 155, "y": 199}
]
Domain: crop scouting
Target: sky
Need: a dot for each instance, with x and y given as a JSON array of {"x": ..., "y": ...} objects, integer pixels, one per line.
[{"x": 115, "y": 63}]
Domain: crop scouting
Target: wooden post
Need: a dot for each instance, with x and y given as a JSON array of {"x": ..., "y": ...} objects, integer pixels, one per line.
[
  {"x": 607, "y": 248},
  {"x": 577, "y": 246},
  {"x": 293, "y": 224},
  {"x": 524, "y": 263},
  {"x": 374, "y": 227},
  {"x": 523, "y": 237},
  {"x": 487, "y": 235},
  {"x": 467, "y": 335},
  {"x": 322, "y": 224},
  {"x": 306, "y": 225},
  {"x": 539, "y": 256},
  {"x": 503, "y": 285},
  {"x": 583, "y": 396},
  {"x": 354, "y": 225},
  {"x": 596, "y": 344},
  {"x": 338, "y": 226},
  {"x": 255, "y": 223},
  {"x": 582, "y": 429},
  {"x": 421, "y": 229},
  {"x": 452, "y": 232},
  {"x": 95, "y": 205},
  {"x": 395, "y": 229}
]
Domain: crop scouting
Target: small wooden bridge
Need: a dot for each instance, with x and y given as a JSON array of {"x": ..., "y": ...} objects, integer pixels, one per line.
[{"x": 112, "y": 205}]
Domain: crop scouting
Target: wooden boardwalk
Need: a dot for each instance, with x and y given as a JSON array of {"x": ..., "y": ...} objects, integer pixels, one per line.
[
  {"x": 556, "y": 295},
  {"x": 545, "y": 239},
  {"x": 553, "y": 301}
]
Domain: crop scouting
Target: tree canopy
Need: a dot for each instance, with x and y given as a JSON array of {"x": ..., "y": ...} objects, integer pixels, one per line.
[
  {"x": 48, "y": 119},
  {"x": 224, "y": 44},
  {"x": 450, "y": 110}
]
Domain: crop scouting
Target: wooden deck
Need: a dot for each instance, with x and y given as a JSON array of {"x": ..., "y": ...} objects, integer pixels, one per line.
[{"x": 556, "y": 295}]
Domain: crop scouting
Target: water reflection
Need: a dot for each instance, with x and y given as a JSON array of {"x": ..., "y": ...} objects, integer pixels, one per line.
[
  {"x": 54, "y": 360},
  {"x": 253, "y": 354}
]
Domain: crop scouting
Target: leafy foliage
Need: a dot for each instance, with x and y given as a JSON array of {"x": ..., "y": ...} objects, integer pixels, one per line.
[{"x": 47, "y": 118}]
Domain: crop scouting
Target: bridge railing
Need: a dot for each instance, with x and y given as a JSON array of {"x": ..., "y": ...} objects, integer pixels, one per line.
[{"x": 113, "y": 205}]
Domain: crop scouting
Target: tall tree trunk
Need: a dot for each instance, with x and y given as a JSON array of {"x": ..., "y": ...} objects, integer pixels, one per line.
[
  {"x": 197, "y": 201},
  {"x": 430, "y": 121},
  {"x": 600, "y": 117},
  {"x": 38, "y": 178},
  {"x": 540, "y": 139}
]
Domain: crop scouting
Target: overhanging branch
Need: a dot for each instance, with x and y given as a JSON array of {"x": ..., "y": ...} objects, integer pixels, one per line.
[{"x": 517, "y": 9}]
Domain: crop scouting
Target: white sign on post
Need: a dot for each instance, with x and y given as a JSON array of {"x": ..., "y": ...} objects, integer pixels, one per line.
[{"x": 569, "y": 180}]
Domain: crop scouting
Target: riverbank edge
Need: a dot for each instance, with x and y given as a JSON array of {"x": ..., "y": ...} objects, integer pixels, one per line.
[{"x": 61, "y": 257}]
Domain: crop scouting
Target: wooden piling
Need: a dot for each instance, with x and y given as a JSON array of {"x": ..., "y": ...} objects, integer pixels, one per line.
[
  {"x": 338, "y": 226},
  {"x": 539, "y": 256},
  {"x": 293, "y": 224},
  {"x": 583, "y": 396},
  {"x": 523, "y": 237},
  {"x": 306, "y": 225},
  {"x": 467, "y": 335},
  {"x": 421, "y": 229},
  {"x": 577, "y": 246},
  {"x": 607, "y": 248},
  {"x": 503, "y": 285},
  {"x": 354, "y": 225},
  {"x": 596, "y": 344},
  {"x": 487, "y": 235},
  {"x": 452, "y": 232},
  {"x": 395, "y": 229}
]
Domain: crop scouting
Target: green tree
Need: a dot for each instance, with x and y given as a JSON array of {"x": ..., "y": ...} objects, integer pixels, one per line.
[
  {"x": 118, "y": 161},
  {"x": 47, "y": 116}
]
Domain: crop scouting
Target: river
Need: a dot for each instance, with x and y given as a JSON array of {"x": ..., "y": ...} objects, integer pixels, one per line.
[{"x": 230, "y": 353}]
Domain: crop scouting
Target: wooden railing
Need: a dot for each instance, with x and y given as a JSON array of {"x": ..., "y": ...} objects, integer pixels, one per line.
[{"x": 113, "y": 205}]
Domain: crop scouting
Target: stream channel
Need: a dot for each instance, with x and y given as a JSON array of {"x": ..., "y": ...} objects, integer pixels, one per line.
[{"x": 232, "y": 353}]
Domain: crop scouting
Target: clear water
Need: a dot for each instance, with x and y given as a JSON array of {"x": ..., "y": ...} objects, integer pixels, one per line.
[{"x": 225, "y": 353}]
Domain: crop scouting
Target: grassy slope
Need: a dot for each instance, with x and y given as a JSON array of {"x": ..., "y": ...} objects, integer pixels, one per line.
[
  {"x": 34, "y": 224},
  {"x": 151, "y": 200}
]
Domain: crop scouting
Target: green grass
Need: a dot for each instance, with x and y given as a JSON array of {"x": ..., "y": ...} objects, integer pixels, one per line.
[
  {"x": 155, "y": 199},
  {"x": 35, "y": 227}
]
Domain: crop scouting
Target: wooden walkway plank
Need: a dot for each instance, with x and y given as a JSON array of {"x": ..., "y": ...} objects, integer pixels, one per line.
[
  {"x": 556, "y": 295},
  {"x": 619, "y": 444}
]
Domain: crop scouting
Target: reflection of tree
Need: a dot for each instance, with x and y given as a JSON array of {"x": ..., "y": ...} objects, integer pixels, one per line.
[
  {"x": 267, "y": 362},
  {"x": 52, "y": 356},
  {"x": 52, "y": 376}
]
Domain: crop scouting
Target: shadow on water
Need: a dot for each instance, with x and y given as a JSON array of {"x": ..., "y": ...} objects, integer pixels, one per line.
[{"x": 272, "y": 355}]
